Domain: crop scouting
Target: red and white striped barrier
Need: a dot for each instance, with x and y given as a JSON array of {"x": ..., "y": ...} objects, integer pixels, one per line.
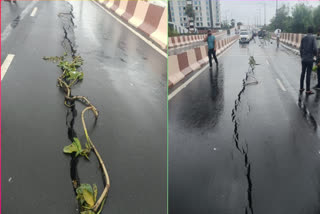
[
  {"x": 150, "y": 19},
  {"x": 291, "y": 39},
  {"x": 182, "y": 64},
  {"x": 186, "y": 40}
]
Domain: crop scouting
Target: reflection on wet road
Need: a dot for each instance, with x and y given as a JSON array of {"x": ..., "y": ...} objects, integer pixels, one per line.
[
  {"x": 237, "y": 147},
  {"x": 123, "y": 77}
]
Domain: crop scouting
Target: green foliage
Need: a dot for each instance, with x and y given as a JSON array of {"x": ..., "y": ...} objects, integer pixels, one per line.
[
  {"x": 76, "y": 147},
  {"x": 282, "y": 20},
  {"x": 302, "y": 17},
  {"x": 53, "y": 58},
  {"x": 189, "y": 11},
  {"x": 172, "y": 31},
  {"x": 87, "y": 197},
  {"x": 69, "y": 68},
  {"x": 316, "y": 18}
]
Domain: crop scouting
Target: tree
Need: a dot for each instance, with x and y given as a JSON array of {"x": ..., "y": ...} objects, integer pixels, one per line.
[
  {"x": 239, "y": 24},
  {"x": 282, "y": 20},
  {"x": 316, "y": 18},
  {"x": 189, "y": 11},
  {"x": 232, "y": 23},
  {"x": 301, "y": 18},
  {"x": 172, "y": 31}
]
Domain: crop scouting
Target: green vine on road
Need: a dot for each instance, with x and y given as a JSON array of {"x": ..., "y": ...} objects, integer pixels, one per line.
[{"x": 86, "y": 194}]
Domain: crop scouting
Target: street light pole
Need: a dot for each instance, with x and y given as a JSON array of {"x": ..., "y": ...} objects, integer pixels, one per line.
[
  {"x": 265, "y": 19},
  {"x": 276, "y": 14}
]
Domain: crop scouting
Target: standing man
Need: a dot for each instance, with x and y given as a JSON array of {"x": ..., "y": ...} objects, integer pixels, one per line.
[
  {"x": 211, "y": 40},
  {"x": 317, "y": 87},
  {"x": 308, "y": 49},
  {"x": 278, "y": 34}
]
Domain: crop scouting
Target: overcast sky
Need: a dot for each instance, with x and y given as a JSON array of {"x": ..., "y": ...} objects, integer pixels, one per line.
[{"x": 248, "y": 10}]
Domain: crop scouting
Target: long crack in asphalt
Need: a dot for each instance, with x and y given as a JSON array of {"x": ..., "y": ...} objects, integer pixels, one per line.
[
  {"x": 69, "y": 46},
  {"x": 236, "y": 138}
]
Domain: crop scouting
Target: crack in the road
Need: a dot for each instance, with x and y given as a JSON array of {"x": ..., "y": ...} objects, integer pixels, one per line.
[
  {"x": 243, "y": 151},
  {"x": 69, "y": 47},
  {"x": 68, "y": 41}
]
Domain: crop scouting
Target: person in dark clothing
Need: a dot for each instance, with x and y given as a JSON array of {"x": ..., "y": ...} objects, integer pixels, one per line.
[
  {"x": 317, "y": 87},
  {"x": 308, "y": 50},
  {"x": 211, "y": 40}
]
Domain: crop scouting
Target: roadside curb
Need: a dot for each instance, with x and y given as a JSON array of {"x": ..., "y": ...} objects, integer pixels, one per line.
[{"x": 295, "y": 51}]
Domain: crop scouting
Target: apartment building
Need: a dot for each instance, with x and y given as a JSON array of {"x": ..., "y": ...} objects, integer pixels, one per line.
[{"x": 207, "y": 13}]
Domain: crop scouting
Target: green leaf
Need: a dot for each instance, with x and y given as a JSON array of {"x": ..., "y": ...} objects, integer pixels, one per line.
[
  {"x": 314, "y": 68},
  {"x": 75, "y": 146},
  {"x": 73, "y": 75},
  {"x": 88, "y": 197},
  {"x": 87, "y": 212},
  {"x": 95, "y": 192}
]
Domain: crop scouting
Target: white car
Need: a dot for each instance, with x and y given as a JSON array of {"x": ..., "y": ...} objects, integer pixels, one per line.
[{"x": 245, "y": 37}]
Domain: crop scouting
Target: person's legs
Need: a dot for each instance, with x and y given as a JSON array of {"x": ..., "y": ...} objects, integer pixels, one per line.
[
  {"x": 318, "y": 74},
  {"x": 215, "y": 56},
  {"x": 210, "y": 56},
  {"x": 309, "y": 70},
  {"x": 303, "y": 73}
]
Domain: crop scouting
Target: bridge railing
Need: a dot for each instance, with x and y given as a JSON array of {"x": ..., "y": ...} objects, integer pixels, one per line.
[{"x": 182, "y": 64}]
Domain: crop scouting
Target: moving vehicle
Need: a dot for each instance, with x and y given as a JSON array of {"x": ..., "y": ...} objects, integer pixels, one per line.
[
  {"x": 262, "y": 34},
  {"x": 245, "y": 36}
]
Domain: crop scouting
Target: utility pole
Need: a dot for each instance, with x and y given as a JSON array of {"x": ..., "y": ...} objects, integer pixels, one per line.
[
  {"x": 265, "y": 19},
  {"x": 276, "y": 14}
]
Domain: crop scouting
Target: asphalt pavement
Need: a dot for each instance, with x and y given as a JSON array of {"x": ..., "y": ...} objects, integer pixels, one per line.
[
  {"x": 245, "y": 142},
  {"x": 123, "y": 77}
]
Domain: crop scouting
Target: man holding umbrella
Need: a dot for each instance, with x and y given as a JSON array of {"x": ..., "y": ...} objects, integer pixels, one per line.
[{"x": 278, "y": 34}]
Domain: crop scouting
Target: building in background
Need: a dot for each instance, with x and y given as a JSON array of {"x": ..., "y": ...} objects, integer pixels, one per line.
[{"x": 207, "y": 14}]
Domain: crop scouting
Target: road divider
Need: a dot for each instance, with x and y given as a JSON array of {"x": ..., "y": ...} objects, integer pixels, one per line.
[
  {"x": 147, "y": 18},
  {"x": 182, "y": 64},
  {"x": 6, "y": 64}
]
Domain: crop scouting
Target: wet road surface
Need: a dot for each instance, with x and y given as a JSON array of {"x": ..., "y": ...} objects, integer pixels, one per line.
[
  {"x": 123, "y": 77},
  {"x": 240, "y": 147}
]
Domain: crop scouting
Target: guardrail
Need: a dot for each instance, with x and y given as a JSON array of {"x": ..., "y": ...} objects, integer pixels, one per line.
[
  {"x": 178, "y": 41},
  {"x": 292, "y": 39},
  {"x": 180, "y": 65}
]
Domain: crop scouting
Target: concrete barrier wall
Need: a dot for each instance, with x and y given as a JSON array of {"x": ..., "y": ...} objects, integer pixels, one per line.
[
  {"x": 149, "y": 19},
  {"x": 190, "y": 39},
  {"x": 291, "y": 39},
  {"x": 180, "y": 65}
]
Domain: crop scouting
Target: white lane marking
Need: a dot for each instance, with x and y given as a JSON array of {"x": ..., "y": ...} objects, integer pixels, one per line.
[
  {"x": 34, "y": 11},
  {"x": 175, "y": 92},
  {"x": 163, "y": 53},
  {"x": 267, "y": 62},
  {"x": 281, "y": 85},
  {"x": 9, "y": 28},
  {"x": 6, "y": 64}
]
